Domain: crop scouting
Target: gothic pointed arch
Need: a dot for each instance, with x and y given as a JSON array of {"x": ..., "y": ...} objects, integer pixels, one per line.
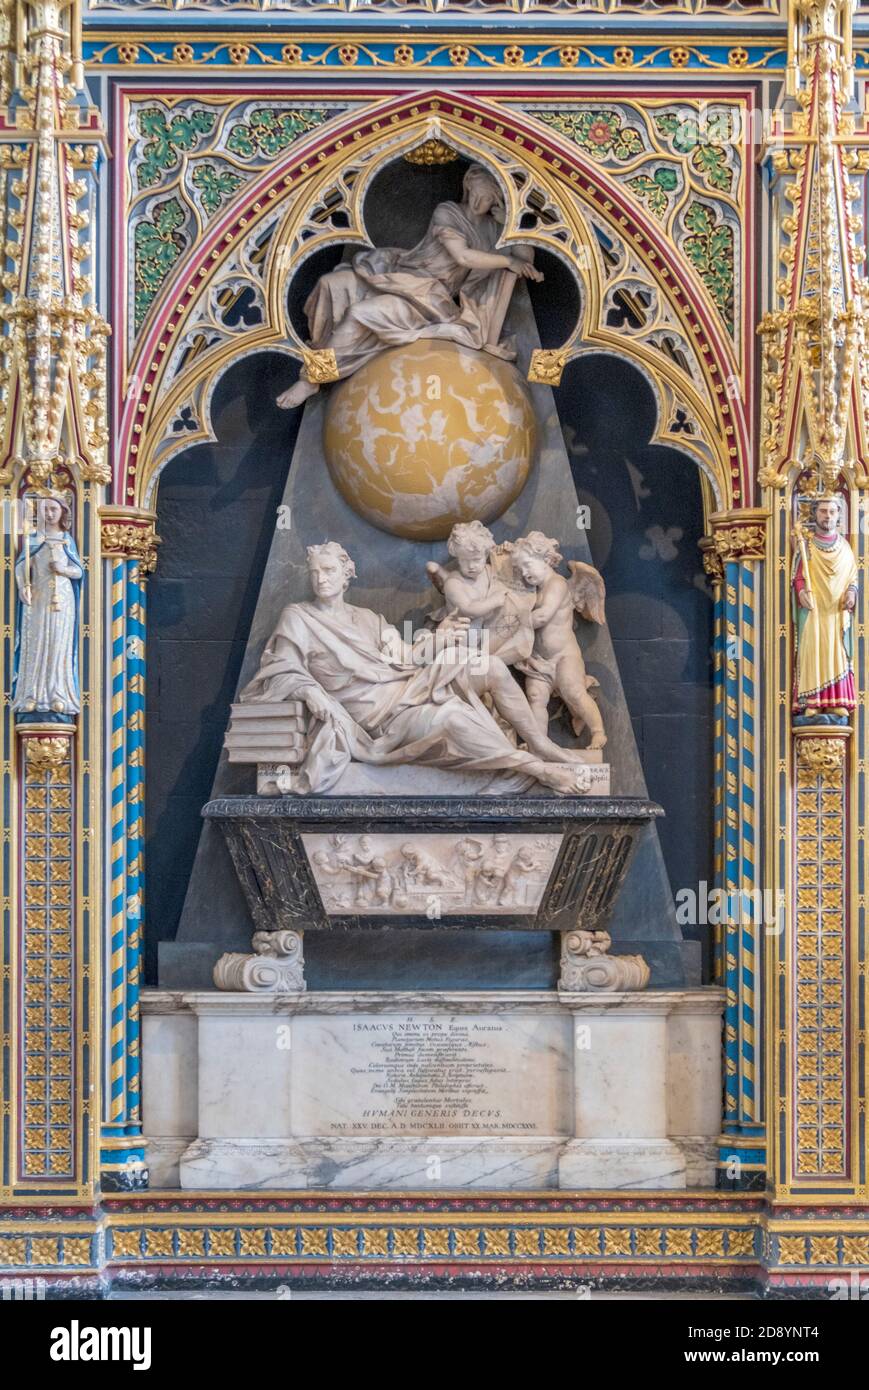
[{"x": 311, "y": 196}]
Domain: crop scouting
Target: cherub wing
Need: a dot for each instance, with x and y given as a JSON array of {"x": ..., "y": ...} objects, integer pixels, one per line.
[
  {"x": 437, "y": 574},
  {"x": 587, "y": 590}
]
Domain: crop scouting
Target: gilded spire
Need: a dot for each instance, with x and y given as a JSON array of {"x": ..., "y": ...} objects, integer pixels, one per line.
[
  {"x": 815, "y": 341},
  {"x": 54, "y": 339}
]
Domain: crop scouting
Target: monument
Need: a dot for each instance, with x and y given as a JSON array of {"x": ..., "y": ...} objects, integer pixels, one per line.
[
  {"x": 434, "y": 475},
  {"x": 426, "y": 763}
]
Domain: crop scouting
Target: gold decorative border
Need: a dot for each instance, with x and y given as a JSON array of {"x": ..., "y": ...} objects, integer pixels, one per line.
[
  {"x": 745, "y": 1241},
  {"x": 352, "y": 54}
]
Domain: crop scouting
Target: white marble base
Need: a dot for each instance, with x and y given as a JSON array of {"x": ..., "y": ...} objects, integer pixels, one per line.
[
  {"x": 170, "y": 1112},
  {"x": 498, "y": 1090},
  {"x": 163, "y": 1160},
  {"x": 701, "y": 1159},
  {"x": 614, "y": 1164},
  {"x": 399, "y": 1165}
]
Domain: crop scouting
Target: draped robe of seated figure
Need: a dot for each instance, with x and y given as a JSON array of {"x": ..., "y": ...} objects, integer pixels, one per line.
[{"x": 452, "y": 286}]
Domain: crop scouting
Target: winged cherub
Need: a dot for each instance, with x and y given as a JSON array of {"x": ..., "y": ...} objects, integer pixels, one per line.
[{"x": 556, "y": 666}]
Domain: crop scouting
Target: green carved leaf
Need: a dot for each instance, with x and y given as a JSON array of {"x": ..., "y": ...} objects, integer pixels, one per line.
[
  {"x": 654, "y": 189},
  {"x": 711, "y": 163},
  {"x": 709, "y": 247},
  {"x": 667, "y": 124},
  {"x": 163, "y": 150},
  {"x": 268, "y": 132},
  {"x": 214, "y": 185},
  {"x": 157, "y": 244},
  {"x": 707, "y": 148}
]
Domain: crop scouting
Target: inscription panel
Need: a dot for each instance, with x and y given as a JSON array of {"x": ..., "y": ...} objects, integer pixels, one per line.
[{"x": 469, "y": 1076}]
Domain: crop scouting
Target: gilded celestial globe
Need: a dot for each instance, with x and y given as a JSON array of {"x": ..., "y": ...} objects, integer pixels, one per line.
[{"x": 430, "y": 434}]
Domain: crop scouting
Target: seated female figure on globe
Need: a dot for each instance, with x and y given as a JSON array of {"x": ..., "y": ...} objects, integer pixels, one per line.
[{"x": 453, "y": 285}]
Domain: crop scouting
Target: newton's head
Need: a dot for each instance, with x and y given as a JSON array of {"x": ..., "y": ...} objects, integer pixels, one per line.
[{"x": 331, "y": 569}]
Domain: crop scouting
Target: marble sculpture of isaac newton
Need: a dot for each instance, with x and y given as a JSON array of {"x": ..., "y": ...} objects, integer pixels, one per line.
[{"x": 374, "y": 699}]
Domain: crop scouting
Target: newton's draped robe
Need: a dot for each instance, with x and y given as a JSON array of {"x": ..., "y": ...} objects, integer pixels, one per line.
[{"x": 385, "y": 707}]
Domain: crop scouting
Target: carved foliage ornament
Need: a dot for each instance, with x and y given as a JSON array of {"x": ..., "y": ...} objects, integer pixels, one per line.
[
  {"x": 320, "y": 365},
  {"x": 46, "y": 754},
  {"x": 740, "y": 542},
  {"x": 820, "y": 757},
  {"x": 432, "y": 152},
  {"x": 132, "y": 539}
]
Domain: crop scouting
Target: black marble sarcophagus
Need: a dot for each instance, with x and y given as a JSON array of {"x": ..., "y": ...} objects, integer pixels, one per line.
[{"x": 336, "y": 863}]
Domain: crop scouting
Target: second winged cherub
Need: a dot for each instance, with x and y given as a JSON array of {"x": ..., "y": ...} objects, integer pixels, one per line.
[{"x": 556, "y": 665}]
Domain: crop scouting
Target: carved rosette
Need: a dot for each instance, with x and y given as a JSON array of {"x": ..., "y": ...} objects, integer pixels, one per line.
[
  {"x": 130, "y": 533},
  {"x": 547, "y": 366}
]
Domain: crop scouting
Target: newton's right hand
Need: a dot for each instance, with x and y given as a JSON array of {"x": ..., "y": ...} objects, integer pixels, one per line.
[{"x": 318, "y": 705}]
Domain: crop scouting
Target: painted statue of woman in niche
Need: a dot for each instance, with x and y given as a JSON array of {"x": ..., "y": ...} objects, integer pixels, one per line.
[
  {"x": 48, "y": 575},
  {"x": 452, "y": 285}
]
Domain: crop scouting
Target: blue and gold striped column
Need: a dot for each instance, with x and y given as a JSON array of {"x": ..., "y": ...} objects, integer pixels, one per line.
[
  {"x": 129, "y": 543},
  {"x": 733, "y": 556}
]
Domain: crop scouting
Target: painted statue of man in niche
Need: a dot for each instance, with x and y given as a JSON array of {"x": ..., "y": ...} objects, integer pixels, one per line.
[
  {"x": 374, "y": 699},
  {"x": 825, "y": 582},
  {"x": 452, "y": 285}
]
